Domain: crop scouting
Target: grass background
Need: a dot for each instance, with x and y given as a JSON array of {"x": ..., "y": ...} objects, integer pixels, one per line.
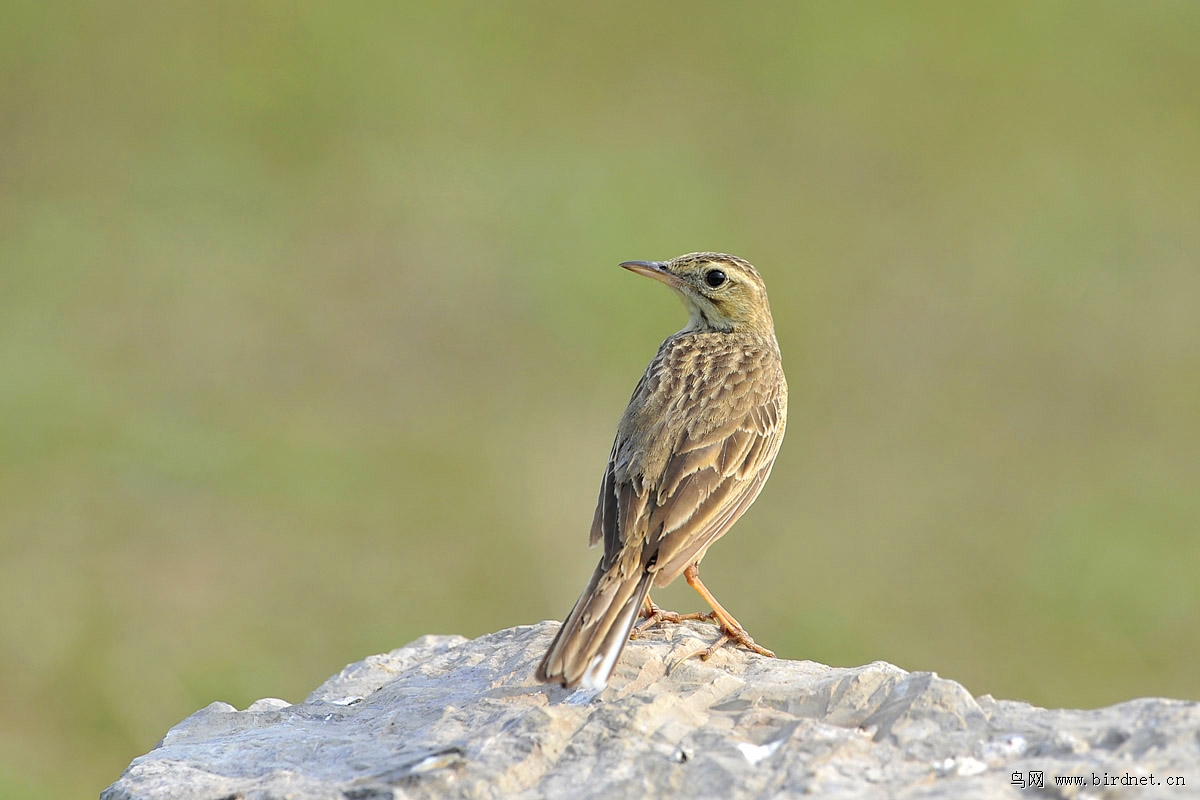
[{"x": 312, "y": 338}]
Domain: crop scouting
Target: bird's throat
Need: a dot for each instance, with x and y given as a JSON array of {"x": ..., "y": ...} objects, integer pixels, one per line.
[{"x": 705, "y": 319}]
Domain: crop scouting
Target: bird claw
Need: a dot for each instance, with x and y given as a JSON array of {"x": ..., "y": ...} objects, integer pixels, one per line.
[
  {"x": 739, "y": 637},
  {"x": 655, "y": 615}
]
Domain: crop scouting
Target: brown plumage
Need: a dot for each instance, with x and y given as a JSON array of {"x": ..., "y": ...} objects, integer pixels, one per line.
[{"x": 693, "y": 449}]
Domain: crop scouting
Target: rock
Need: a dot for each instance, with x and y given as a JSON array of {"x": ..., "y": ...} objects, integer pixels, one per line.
[{"x": 450, "y": 717}]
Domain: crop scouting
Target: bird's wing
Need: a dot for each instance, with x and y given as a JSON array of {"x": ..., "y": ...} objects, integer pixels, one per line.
[
  {"x": 606, "y": 523},
  {"x": 710, "y": 481},
  {"x": 715, "y": 467}
]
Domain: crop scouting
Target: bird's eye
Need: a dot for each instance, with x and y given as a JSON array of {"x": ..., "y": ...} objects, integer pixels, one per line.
[{"x": 714, "y": 278}]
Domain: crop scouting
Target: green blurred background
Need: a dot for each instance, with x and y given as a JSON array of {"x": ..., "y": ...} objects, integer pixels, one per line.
[{"x": 312, "y": 338}]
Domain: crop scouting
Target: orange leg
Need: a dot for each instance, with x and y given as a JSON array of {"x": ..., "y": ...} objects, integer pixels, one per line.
[{"x": 731, "y": 629}]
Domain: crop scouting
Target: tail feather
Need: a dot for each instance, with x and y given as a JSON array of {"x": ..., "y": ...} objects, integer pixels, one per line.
[{"x": 591, "y": 639}]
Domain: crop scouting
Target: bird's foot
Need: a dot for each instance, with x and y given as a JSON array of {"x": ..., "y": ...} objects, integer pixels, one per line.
[
  {"x": 739, "y": 637},
  {"x": 656, "y": 615},
  {"x": 734, "y": 634}
]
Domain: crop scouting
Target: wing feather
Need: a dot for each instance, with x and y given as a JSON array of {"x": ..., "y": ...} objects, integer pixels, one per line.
[
  {"x": 730, "y": 486},
  {"x": 690, "y": 455},
  {"x": 604, "y": 522}
]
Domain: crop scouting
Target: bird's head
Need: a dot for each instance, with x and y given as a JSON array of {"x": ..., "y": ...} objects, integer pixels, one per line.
[{"x": 722, "y": 293}]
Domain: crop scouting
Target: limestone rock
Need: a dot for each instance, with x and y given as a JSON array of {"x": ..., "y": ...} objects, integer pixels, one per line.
[{"x": 450, "y": 717}]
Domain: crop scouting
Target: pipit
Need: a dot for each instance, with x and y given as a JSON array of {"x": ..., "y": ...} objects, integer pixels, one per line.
[{"x": 693, "y": 450}]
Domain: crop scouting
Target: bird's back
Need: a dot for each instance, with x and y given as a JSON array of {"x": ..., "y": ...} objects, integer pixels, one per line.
[{"x": 700, "y": 433}]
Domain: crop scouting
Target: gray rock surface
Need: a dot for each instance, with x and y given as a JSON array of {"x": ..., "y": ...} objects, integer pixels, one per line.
[{"x": 450, "y": 717}]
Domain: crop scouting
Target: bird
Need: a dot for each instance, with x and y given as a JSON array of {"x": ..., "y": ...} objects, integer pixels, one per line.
[{"x": 693, "y": 449}]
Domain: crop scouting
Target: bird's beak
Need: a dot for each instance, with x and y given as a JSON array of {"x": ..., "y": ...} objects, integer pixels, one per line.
[{"x": 657, "y": 270}]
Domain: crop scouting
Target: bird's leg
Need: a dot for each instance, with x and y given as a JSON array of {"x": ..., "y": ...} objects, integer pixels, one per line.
[
  {"x": 655, "y": 614},
  {"x": 731, "y": 629}
]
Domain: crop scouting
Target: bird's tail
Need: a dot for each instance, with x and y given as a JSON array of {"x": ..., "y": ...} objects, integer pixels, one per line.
[{"x": 595, "y": 632}]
